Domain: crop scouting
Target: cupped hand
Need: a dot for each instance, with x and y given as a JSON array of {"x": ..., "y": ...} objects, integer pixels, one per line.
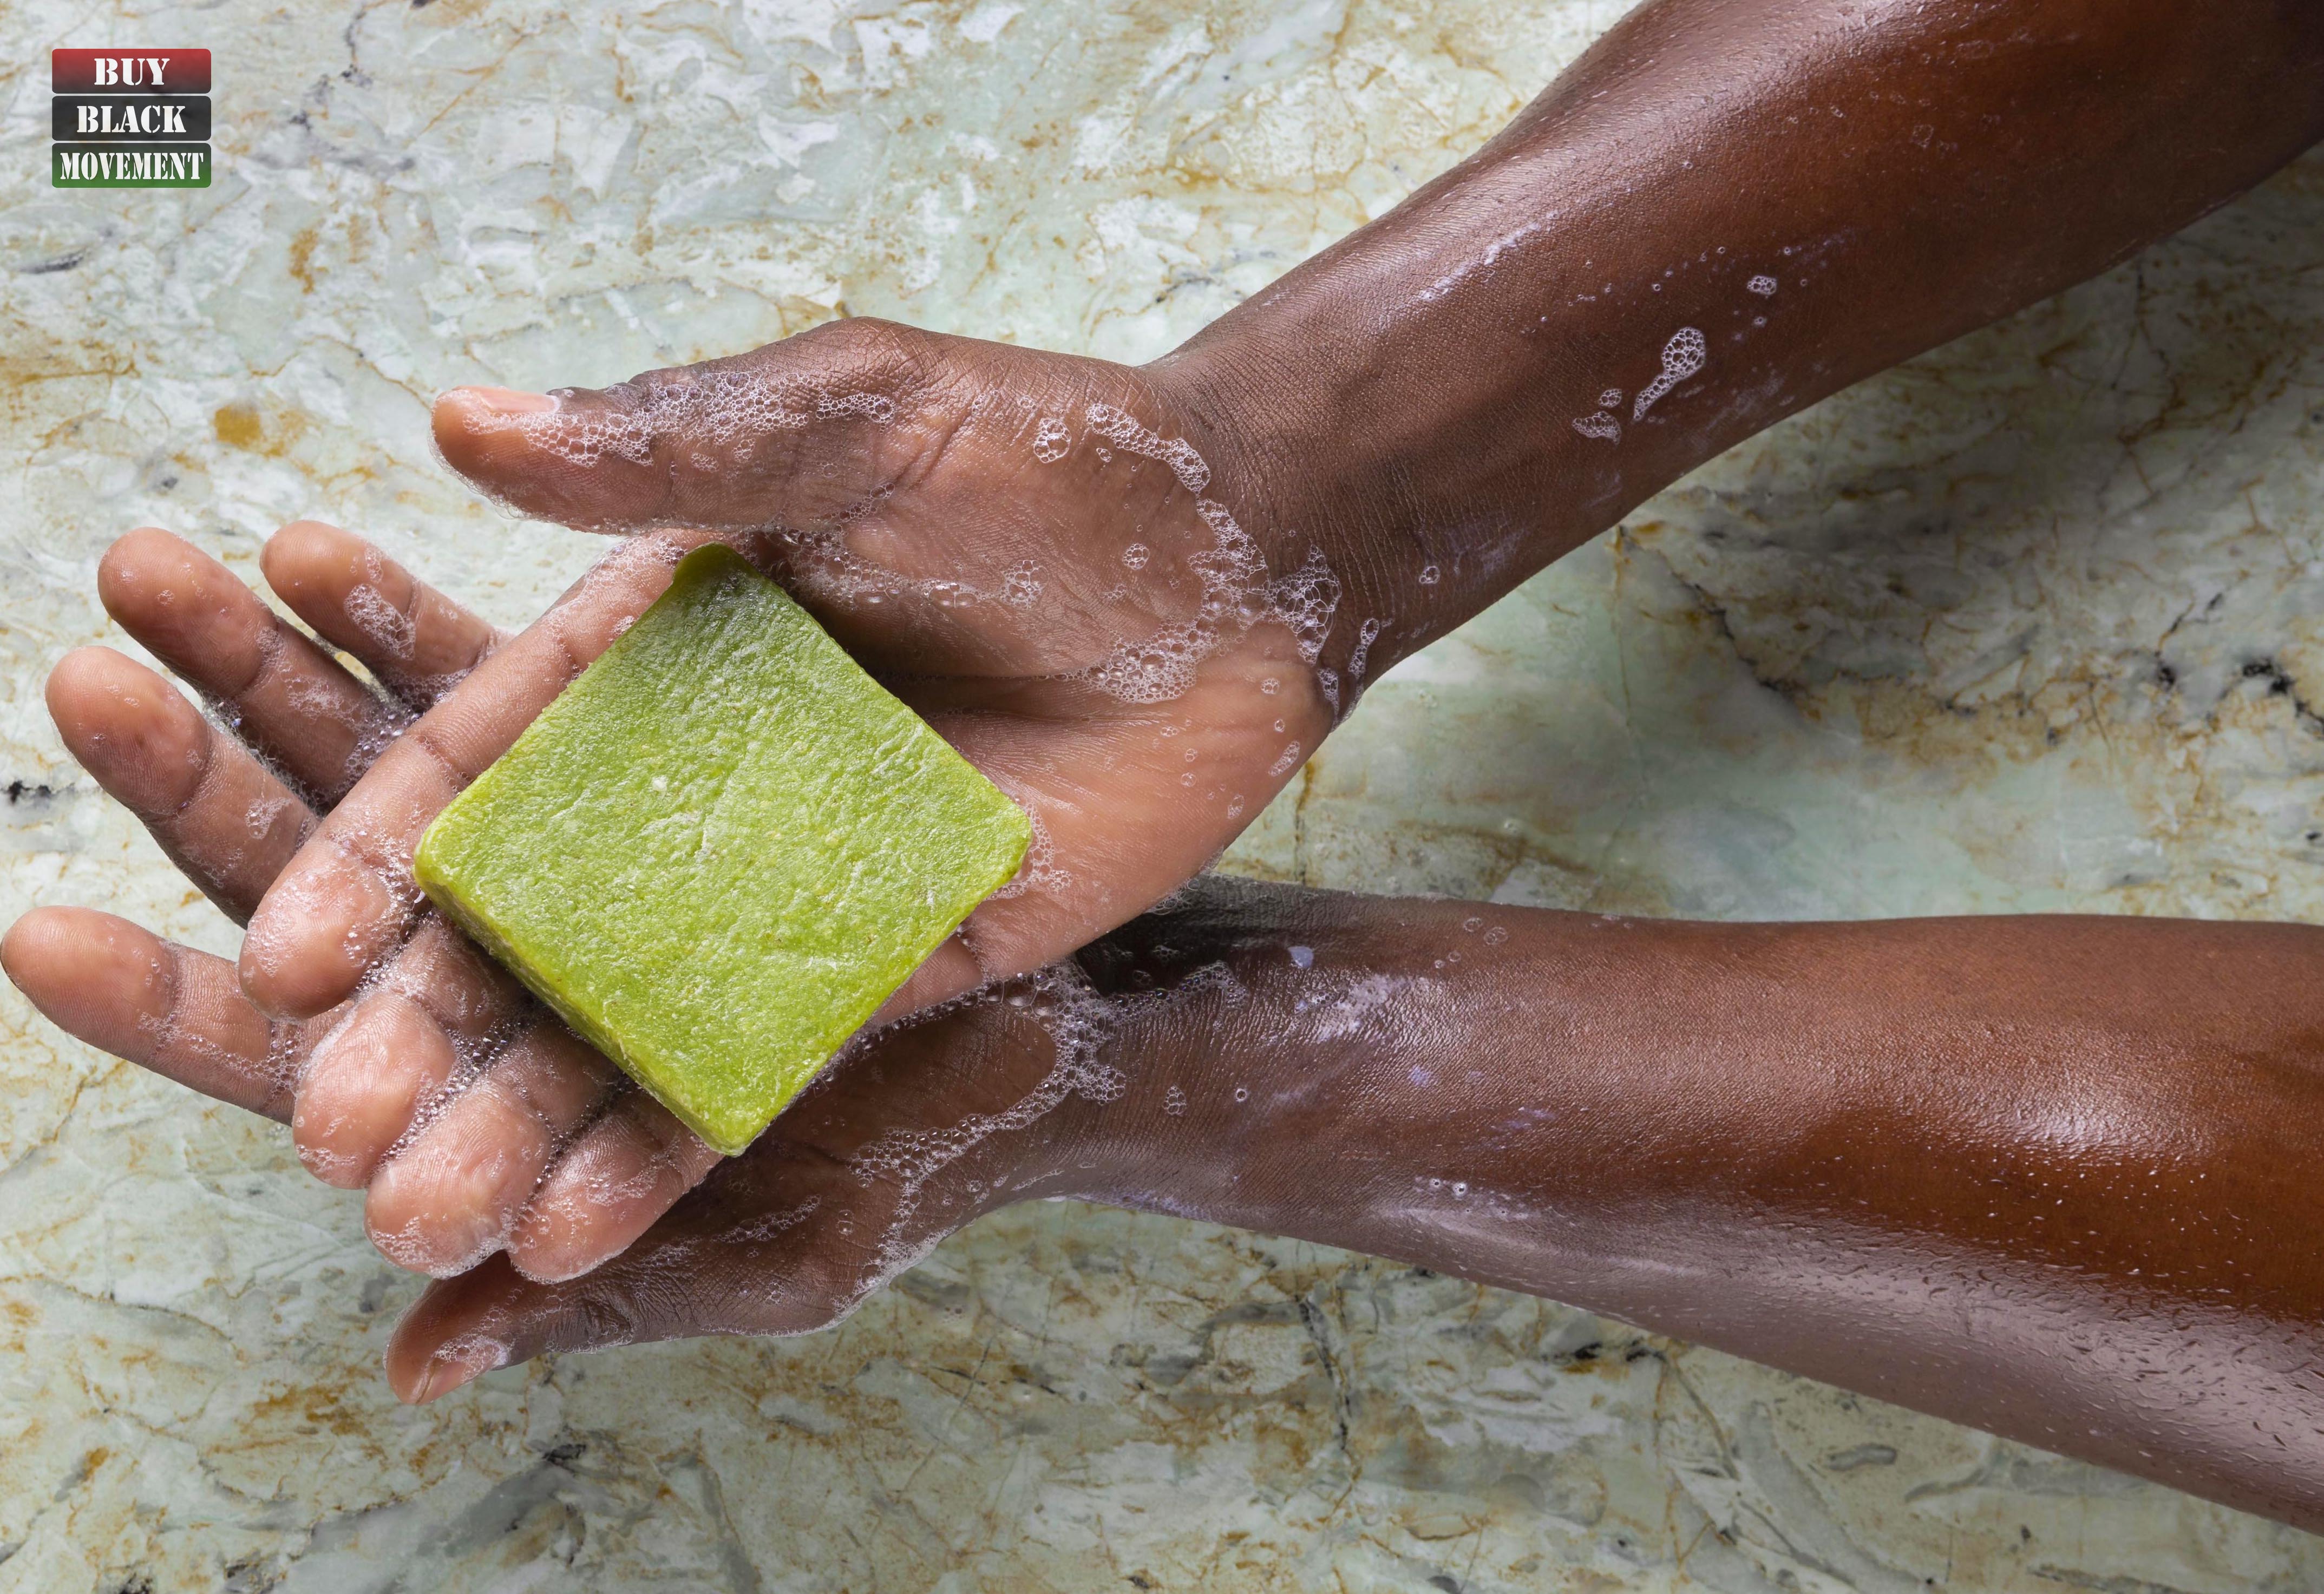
[
  {"x": 899, "y": 1143},
  {"x": 1031, "y": 549}
]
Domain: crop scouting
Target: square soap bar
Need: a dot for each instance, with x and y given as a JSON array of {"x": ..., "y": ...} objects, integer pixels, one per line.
[{"x": 721, "y": 849}]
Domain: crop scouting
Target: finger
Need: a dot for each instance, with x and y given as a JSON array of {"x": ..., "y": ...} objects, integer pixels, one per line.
[
  {"x": 419, "y": 642},
  {"x": 348, "y": 899},
  {"x": 452, "y": 1195},
  {"x": 287, "y": 697},
  {"x": 625, "y": 1171},
  {"x": 223, "y": 817},
  {"x": 493, "y": 1316},
  {"x": 716, "y": 1265},
  {"x": 739, "y": 443},
  {"x": 437, "y": 1015},
  {"x": 177, "y": 1011}
]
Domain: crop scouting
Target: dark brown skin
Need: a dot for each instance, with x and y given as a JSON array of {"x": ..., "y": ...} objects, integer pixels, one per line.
[
  {"x": 1905, "y": 172},
  {"x": 2046, "y": 1178},
  {"x": 2049, "y": 1176},
  {"x": 1393, "y": 425}
]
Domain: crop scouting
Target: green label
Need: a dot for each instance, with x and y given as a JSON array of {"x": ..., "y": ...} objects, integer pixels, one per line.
[{"x": 130, "y": 166}]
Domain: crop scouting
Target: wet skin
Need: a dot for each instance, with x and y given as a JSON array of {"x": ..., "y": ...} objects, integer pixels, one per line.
[
  {"x": 1403, "y": 407},
  {"x": 2052, "y": 1177},
  {"x": 1402, "y": 410}
]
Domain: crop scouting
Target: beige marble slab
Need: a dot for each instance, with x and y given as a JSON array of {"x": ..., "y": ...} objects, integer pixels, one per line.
[{"x": 2028, "y": 624}]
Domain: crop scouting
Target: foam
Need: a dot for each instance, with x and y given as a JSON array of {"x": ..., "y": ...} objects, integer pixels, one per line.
[
  {"x": 710, "y": 406},
  {"x": 1684, "y": 355},
  {"x": 1763, "y": 285},
  {"x": 710, "y": 410},
  {"x": 1078, "y": 1022},
  {"x": 384, "y": 626},
  {"x": 1125, "y": 432}
]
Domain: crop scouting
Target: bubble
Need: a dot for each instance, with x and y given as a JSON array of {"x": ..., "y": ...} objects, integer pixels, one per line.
[
  {"x": 1121, "y": 429},
  {"x": 1599, "y": 425},
  {"x": 1611, "y": 399},
  {"x": 1302, "y": 957},
  {"x": 873, "y": 406},
  {"x": 384, "y": 626},
  {"x": 1078, "y": 1022},
  {"x": 1430, "y": 575},
  {"x": 1683, "y": 356},
  {"x": 1242, "y": 1093},
  {"x": 1496, "y": 935},
  {"x": 1173, "y": 1101},
  {"x": 703, "y": 410},
  {"x": 1288, "y": 762},
  {"x": 1135, "y": 555},
  {"x": 1365, "y": 638},
  {"x": 1018, "y": 584},
  {"x": 1238, "y": 593},
  {"x": 1763, "y": 285},
  {"x": 1270, "y": 687},
  {"x": 1051, "y": 440},
  {"x": 1472, "y": 924}
]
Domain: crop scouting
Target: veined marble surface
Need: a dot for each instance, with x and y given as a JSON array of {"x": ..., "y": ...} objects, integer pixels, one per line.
[{"x": 2031, "y": 624}]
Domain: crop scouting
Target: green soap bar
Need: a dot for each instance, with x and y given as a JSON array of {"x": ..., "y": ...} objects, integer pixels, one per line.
[{"x": 721, "y": 849}]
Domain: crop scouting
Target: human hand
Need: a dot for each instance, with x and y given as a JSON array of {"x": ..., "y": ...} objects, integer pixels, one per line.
[
  {"x": 1028, "y": 548},
  {"x": 231, "y": 809},
  {"x": 888, "y": 1156}
]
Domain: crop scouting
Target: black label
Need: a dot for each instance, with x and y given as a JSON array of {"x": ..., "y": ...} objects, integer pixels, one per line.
[{"x": 108, "y": 118}]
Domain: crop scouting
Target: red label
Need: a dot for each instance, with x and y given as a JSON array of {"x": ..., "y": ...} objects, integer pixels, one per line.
[{"x": 129, "y": 70}]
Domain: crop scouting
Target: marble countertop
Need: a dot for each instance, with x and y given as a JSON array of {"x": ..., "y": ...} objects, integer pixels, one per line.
[{"x": 2028, "y": 624}]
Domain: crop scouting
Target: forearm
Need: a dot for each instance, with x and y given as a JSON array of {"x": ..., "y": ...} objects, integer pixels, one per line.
[
  {"x": 2051, "y": 1178},
  {"x": 1764, "y": 200}
]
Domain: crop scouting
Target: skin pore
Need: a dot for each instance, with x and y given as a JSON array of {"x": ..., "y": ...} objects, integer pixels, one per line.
[{"x": 2044, "y": 1177}]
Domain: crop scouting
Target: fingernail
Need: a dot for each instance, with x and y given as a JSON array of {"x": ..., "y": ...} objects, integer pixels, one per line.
[
  {"x": 502, "y": 400},
  {"x": 451, "y": 1368}
]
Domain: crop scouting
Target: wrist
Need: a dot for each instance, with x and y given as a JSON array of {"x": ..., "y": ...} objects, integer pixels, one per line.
[
  {"x": 1253, "y": 1040},
  {"x": 1291, "y": 463}
]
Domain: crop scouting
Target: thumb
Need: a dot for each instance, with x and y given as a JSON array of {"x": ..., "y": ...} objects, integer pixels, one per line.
[
  {"x": 791, "y": 434},
  {"x": 732, "y": 1259}
]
